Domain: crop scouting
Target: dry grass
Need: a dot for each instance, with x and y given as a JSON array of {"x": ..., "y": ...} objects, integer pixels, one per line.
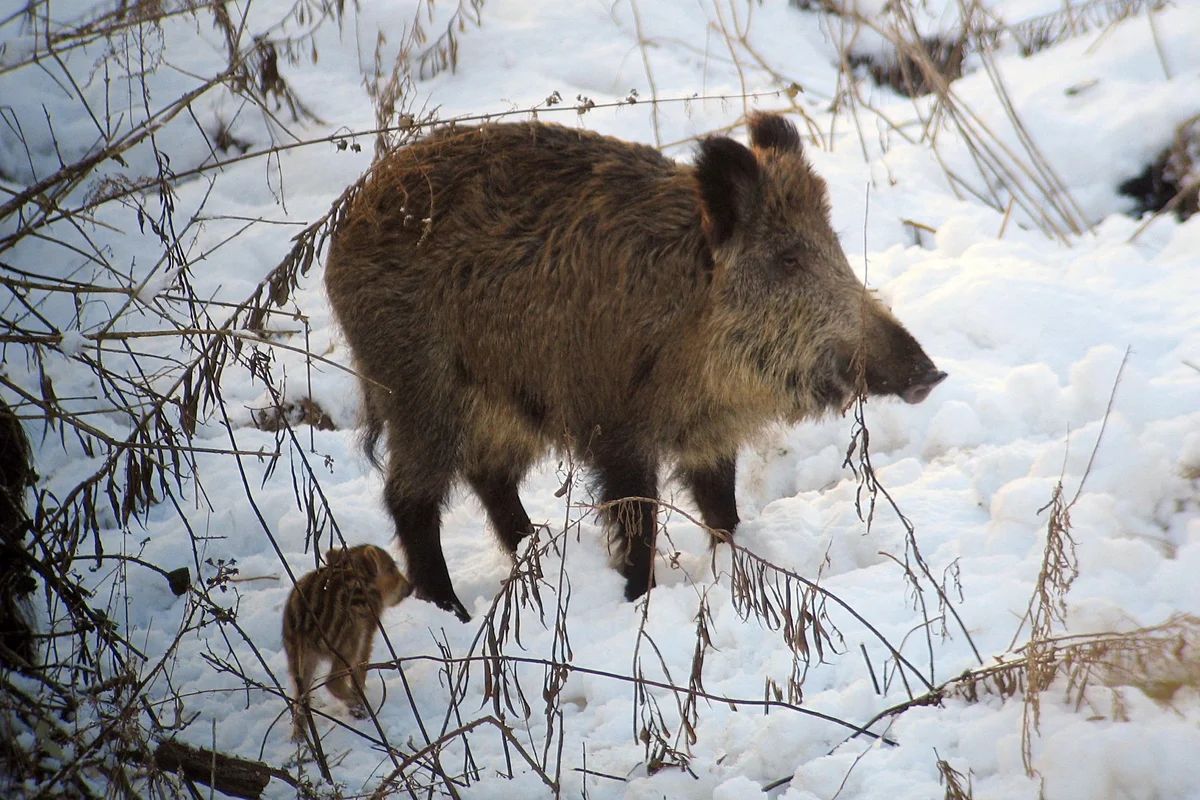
[
  {"x": 1159, "y": 661},
  {"x": 158, "y": 353},
  {"x": 923, "y": 66},
  {"x": 1171, "y": 182},
  {"x": 958, "y": 786},
  {"x": 304, "y": 411},
  {"x": 902, "y": 72}
]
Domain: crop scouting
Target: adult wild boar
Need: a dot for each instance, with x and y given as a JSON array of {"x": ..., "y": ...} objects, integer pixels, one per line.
[{"x": 511, "y": 288}]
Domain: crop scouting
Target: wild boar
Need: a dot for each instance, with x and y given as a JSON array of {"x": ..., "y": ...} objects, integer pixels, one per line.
[
  {"x": 331, "y": 615},
  {"x": 513, "y": 288}
]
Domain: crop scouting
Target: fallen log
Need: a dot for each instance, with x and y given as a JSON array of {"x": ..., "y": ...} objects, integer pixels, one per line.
[{"x": 236, "y": 777}]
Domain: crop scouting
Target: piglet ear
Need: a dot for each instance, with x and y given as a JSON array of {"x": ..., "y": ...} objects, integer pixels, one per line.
[
  {"x": 727, "y": 176},
  {"x": 771, "y": 131},
  {"x": 371, "y": 562}
]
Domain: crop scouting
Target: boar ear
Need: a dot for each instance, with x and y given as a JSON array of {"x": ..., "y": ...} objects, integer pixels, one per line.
[
  {"x": 727, "y": 174},
  {"x": 773, "y": 131}
]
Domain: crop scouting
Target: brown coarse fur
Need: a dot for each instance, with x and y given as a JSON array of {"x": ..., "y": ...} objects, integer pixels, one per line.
[
  {"x": 331, "y": 615},
  {"x": 508, "y": 288}
]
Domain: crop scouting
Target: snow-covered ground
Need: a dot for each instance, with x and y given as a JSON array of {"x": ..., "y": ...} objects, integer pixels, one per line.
[{"x": 1033, "y": 329}]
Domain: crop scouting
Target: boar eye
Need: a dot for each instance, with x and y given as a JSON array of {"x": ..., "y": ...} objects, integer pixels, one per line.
[{"x": 790, "y": 262}]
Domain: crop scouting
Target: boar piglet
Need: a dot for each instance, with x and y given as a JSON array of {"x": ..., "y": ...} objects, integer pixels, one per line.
[{"x": 331, "y": 615}]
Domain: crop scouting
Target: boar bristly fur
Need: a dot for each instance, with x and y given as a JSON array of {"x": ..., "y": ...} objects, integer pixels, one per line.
[{"x": 510, "y": 288}]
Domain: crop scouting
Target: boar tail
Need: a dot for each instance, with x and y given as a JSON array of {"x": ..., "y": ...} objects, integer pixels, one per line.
[{"x": 372, "y": 425}]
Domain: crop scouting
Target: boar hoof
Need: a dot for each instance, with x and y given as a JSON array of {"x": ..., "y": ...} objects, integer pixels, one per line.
[
  {"x": 457, "y": 609},
  {"x": 637, "y": 586},
  {"x": 452, "y": 605},
  {"x": 449, "y": 603}
]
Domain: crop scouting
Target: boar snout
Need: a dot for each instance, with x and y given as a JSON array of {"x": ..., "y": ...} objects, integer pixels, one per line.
[
  {"x": 896, "y": 365},
  {"x": 925, "y": 377}
]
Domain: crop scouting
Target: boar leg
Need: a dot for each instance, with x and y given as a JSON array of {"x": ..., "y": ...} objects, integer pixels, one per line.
[
  {"x": 419, "y": 529},
  {"x": 303, "y": 666},
  {"x": 498, "y": 493},
  {"x": 420, "y": 471},
  {"x": 621, "y": 478},
  {"x": 712, "y": 489},
  {"x": 344, "y": 685}
]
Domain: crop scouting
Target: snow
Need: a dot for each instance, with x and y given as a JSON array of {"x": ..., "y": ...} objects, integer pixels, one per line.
[{"x": 1033, "y": 330}]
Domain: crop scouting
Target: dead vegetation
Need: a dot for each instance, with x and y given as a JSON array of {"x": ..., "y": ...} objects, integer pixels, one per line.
[
  {"x": 1171, "y": 182},
  {"x": 901, "y": 70},
  {"x": 1006, "y": 178},
  {"x": 304, "y": 411},
  {"x": 161, "y": 350},
  {"x": 1158, "y": 661},
  {"x": 17, "y": 634},
  {"x": 910, "y": 59},
  {"x": 157, "y": 349},
  {"x": 958, "y": 786}
]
